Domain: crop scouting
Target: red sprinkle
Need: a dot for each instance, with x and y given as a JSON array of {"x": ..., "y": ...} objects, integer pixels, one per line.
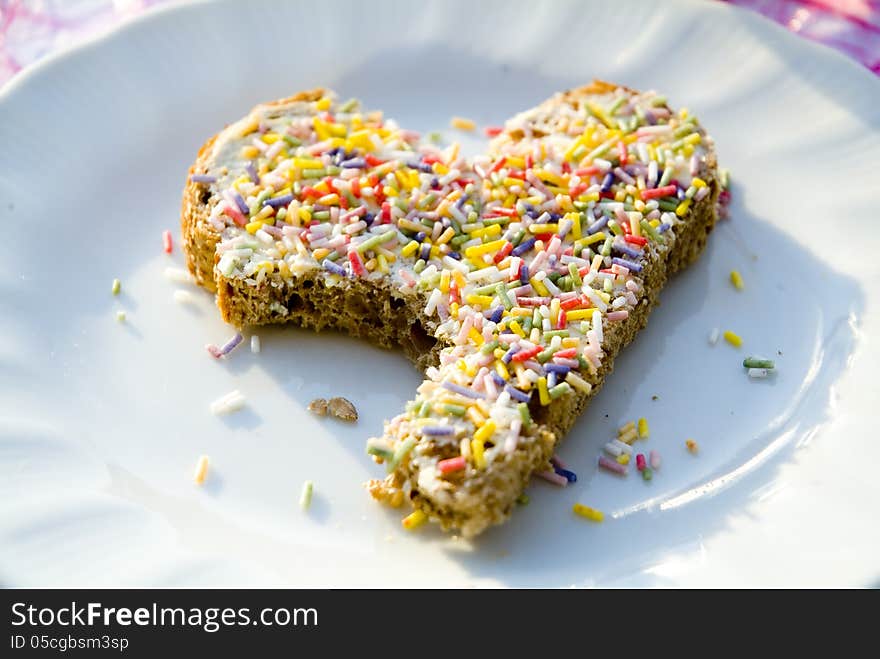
[
  {"x": 665, "y": 191},
  {"x": 498, "y": 165},
  {"x": 624, "y": 156},
  {"x": 373, "y": 161},
  {"x": 503, "y": 252},
  {"x": 562, "y": 320},
  {"x": 492, "y": 131},
  {"x": 636, "y": 240},
  {"x": 640, "y": 462},
  {"x": 236, "y": 215},
  {"x": 166, "y": 241},
  {"x": 568, "y": 353},
  {"x": 524, "y": 355},
  {"x": 452, "y": 464},
  {"x": 357, "y": 267}
]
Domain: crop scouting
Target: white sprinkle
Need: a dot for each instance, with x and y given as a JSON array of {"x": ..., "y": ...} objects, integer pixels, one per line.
[
  {"x": 623, "y": 446},
  {"x": 713, "y": 336},
  {"x": 178, "y": 275},
  {"x": 183, "y": 297},
  {"x": 231, "y": 402},
  {"x": 255, "y": 344},
  {"x": 613, "y": 449},
  {"x": 759, "y": 372}
]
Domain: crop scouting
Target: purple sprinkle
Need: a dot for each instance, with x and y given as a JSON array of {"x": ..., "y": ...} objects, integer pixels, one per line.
[
  {"x": 497, "y": 314},
  {"x": 515, "y": 393},
  {"x": 524, "y": 274},
  {"x": 523, "y": 247},
  {"x": 510, "y": 353},
  {"x": 607, "y": 182},
  {"x": 438, "y": 431},
  {"x": 558, "y": 369},
  {"x": 464, "y": 391},
  {"x": 425, "y": 252},
  {"x": 570, "y": 476},
  {"x": 230, "y": 345},
  {"x": 203, "y": 178},
  {"x": 420, "y": 236},
  {"x": 597, "y": 225},
  {"x": 626, "y": 249},
  {"x": 333, "y": 267},
  {"x": 663, "y": 227},
  {"x": 275, "y": 231},
  {"x": 497, "y": 379},
  {"x": 461, "y": 201},
  {"x": 634, "y": 267},
  {"x": 454, "y": 255},
  {"x": 252, "y": 172},
  {"x": 277, "y": 202},
  {"x": 239, "y": 201},
  {"x": 354, "y": 163}
]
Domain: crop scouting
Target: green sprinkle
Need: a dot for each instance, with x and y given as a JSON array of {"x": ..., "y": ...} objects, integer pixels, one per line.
[
  {"x": 615, "y": 228},
  {"x": 575, "y": 275},
  {"x": 349, "y": 105},
  {"x": 549, "y": 334},
  {"x": 651, "y": 231},
  {"x": 419, "y": 266},
  {"x": 523, "y": 499},
  {"x": 559, "y": 390},
  {"x": 457, "y": 410},
  {"x": 375, "y": 241},
  {"x": 665, "y": 204},
  {"x": 305, "y": 499},
  {"x": 489, "y": 348},
  {"x": 667, "y": 176},
  {"x": 314, "y": 172},
  {"x": 647, "y": 474},
  {"x": 501, "y": 292},
  {"x": 606, "y": 246},
  {"x": 758, "y": 362},
  {"x": 116, "y": 287},
  {"x": 402, "y": 451},
  {"x": 291, "y": 140},
  {"x": 379, "y": 448},
  {"x": 545, "y": 356},
  {"x": 524, "y": 414},
  {"x": 425, "y": 409},
  {"x": 435, "y": 136}
]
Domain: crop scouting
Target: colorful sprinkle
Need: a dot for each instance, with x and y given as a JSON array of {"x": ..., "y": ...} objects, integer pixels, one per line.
[
  {"x": 758, "y": 362},
  {"x": 462, "y": 124},
  {"x": 733, "y": 339},
  {"x": 414, "y": 520},
  {"x": 691, "y": 446},
  {"x": 737, "y": 280},
  {"x": 588, "y": 513},
  {"x": 201, "y": 471},
  {"x": 116, "y": 287},
  {"x": 166, "y": 242},
  {"x": 305, "y": 497},
  {"x": 643, "y": 428}
]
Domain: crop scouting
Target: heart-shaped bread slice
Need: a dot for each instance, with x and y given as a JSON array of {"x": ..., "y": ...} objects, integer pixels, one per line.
[{"x": 512, "y": 279}]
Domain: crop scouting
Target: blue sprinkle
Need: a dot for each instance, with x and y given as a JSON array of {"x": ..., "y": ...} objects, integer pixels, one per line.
[
  {"x": 277, "y": 202},
  {"x": 524, "y": 274},
  {"x": 252, "y": 172},
  {"x": 510, "y": 353},
  {"x": 626, "y": 249},
  {"x": 523, "y": 247},
  {"x": 570, "y": 476},
  {"x": 333, "y": 267},
  {"x": 634, "y": 267},
  {"x": 438, "y": 431},
  {"x": 497, "y": 314},
  {"x": 663, "y": 227},
  {"x": 454, "y": 255},
  {"x": 425, "y": 252},
  {"x": 239, "y": 201},
  {"x": 558, "y": 369},
  {"x": 607, "y": 182},
  {"x": 597, "y": 225},
  {"x": 464, "y": 391},
  {"x": 420, "y": 236},
  {"x": 515, "y": 393},
  {"x": 497, "y": 379},
  {"x": 354, "y": 163},
  {"x": 203, "y": 178}
]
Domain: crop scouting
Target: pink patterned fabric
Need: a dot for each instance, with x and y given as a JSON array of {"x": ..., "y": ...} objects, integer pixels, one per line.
[{"x": 30, "y": 29}]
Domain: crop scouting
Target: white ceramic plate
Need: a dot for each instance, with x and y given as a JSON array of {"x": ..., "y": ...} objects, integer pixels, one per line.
[{"x": 101, "y": 423}]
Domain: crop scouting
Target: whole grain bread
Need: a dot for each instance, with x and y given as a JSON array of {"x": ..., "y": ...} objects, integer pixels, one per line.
[{"x": 393, "y": 317}]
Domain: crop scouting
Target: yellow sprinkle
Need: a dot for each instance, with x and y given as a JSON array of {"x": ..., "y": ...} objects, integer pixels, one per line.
[
  {"x": 539, "y": 287},
  {"x": 478, "y": 450},
  {"x": 580, "y": 314},
  {"x": 623, "y": 458},
  {"x": 626, "y": 427},
  {"x": 589, "y": 513},
  {"x": 323, "y": 103},
  {"x": 446, "y": 236},
  {"x": 485, "y": 248},
  {"x": 307, "y": 163},
  {"x": 414, "y": 520},
  {"x": 116, "y": 287},
  {"x": 501, "y": 369},
  {"x": 249, "y": 152},
  {"x": 629, "y": 436},
  {"x": 270, "y": 138},
  {"x": 253, "y": 227},
  {"x": 320, "y": 253},
  {"x": 485, "y": 432},
  {"x": 444, "y": 278},
  {"x": 410, "y": 248},
  {"x": 476, "y": 416},
  {"x": 691, "y": 446},
  {"x": 698, "y": 182},
  {"x": 481, "y": 300},
  {"x": 462, "y": 124},
  {"x": 515, "y": 327},
  {"x": 682, "y": 208},
  {"x": 643, "y": 428},
  {"x": 201, "y": 470},
  {"x": 543, "y": 228},
  {"x": 543, "y": 393},
  {"x": 305, "y": 215},
  {"x": 737, "y": 280},
  {"x": 476, "y": 337},
  {"x": 733, "y": 339},
  {"x": 487, "y": 232}
]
